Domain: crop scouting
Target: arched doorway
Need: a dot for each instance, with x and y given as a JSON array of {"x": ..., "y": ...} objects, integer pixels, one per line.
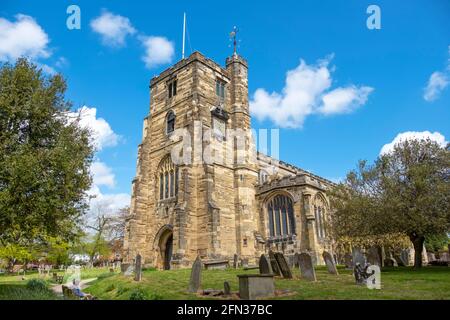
[{"x": 165, "y": 246}]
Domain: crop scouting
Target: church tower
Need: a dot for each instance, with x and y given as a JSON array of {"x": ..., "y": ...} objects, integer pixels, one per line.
[{"x": 194, "y": 191}]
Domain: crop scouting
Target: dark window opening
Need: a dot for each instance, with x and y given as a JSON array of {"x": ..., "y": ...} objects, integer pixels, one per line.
[{"x": 170, "y": 127}]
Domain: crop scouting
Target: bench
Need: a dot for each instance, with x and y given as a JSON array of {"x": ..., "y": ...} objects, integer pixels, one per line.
[{"x": 216, "y": 264}]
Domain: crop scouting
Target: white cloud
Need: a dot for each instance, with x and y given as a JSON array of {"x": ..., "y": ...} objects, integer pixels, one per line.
[
  {"x": 414, "y": 135},
  {"x": 158, "y": 50},
  {"x": 112, "y": 28},
  {"x": 109, "y": 202},
  {"x": 23, "y": 37},
  {"x": 307, "y": 91},
  {"x": 437, "y": 82},
  {"x": 344, "y": 100},
  {"x": 103, "y": 135},
  {"x": 102, "y": 174}
]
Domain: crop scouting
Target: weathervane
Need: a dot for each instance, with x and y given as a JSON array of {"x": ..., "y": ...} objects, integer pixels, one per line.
[{"x": 233, "y": 35}]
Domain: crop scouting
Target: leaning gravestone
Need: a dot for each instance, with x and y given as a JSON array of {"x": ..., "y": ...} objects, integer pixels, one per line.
[
  {"x": 373, "y": 256},
  {"x": 306, "y": 266},
  {"x": 358, "y": 257},
  {"x": 138, "y": 268},
  {"x": 331, "y": 266},
  {"x": 226, "y": 288},
  {"x": 264, "y": 265},
  {"x": 274, "y": 264},
  {"x": 348, "y": 261},
  {"x": 284, "y": 267},
  {"x": 196, "y": 276}
]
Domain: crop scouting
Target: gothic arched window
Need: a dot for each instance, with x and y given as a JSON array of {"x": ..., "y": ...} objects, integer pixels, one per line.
[
  {"x": 281, "y": 217},
  {"x": 170, "y": 122},
  {"x": 168, "y": 179},
  {"x": 320, "y": 214}
]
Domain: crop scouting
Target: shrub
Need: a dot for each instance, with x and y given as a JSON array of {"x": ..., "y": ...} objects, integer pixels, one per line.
[
  {"x": 138, "y": 294},
  {"x": 37, "y": 285}
]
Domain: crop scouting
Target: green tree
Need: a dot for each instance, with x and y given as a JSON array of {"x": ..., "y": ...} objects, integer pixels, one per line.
[
  {"x": 13, "y": 253},
  {"x": 405, "y": 191},
  {"x": 44, "y": 157}
]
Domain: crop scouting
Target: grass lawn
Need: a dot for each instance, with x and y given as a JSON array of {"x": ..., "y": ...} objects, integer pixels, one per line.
[
  {"x": 12, "y": 287},
  {"x": 397, "y": 283}
]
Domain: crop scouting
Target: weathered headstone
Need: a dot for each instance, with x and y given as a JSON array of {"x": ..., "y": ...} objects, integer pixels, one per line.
[
  {"x": 284, "y": 267},
  {"x": 129, "y": 271},
  {"x": 306, "y": 266},
  {"x": 331, "y": 266},
  {"x": 235, "y": 261},
  {"x": 274, "y": 264},
  {"x": 390, "y": 262},
  {"x": 358, "y": 257},
  {"x": 348, "y": 261},
  {"x": 404, "y": 257},
  {"x": 254, "y": 286},
  {"x": 373, "y": 256},
  {"x": 264, "y": 265},
  {"x": 196, "y": 276},
  {"x": 138, "y": 268},
  {"x": 226, "y": 288},
  {"x": 124, "y": 267}
]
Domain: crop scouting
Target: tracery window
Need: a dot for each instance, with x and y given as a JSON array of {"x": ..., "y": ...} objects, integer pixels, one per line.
[
  {"x": 320, "y": 216},
  {"x": 281, "y": 216},
  {"x": 168, "y": 179}
]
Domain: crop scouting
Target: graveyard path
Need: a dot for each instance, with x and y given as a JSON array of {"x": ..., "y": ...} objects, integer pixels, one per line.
[{"x": 83, "y": 285}]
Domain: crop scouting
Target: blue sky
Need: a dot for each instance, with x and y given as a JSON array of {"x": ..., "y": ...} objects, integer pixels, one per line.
[{"x": 396, "y": 62}]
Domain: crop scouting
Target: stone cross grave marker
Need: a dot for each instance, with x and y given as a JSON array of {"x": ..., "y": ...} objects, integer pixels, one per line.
[
  {"x": 331, "y": 266},
  {"x": 306, "y": 266},
  {"x": 196, "y": 276},
  {"x": 284, "y": 267},
  {"x": 138, "y": 268},
  {"x": 264, "y": 265},
  {"x": 274, "y": 264}
]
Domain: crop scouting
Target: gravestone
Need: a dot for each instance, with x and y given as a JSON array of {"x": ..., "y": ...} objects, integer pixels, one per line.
[
  {"x": 226, "y": 288},
  {"x": 358, "y": 257},
  {"x": 235, "y": 261},
  {"x": 404, "y": 257},
  {"x": 274, "y": 264},
  {"x": 137, "y": 268},
  {"x": 284, "y": 267},
  {"x": 124, "y": 267},
  {"x": 254, "y": 286},
  {"x": 306, "y": 266},
  {"x": 373, "y": 256},
  {"x": 331, "y": 266},
  {"x": 348, "y": 261},
  {"x": 264, "y": 265},
  {"x": 196, "y": 276},
  {"x": 390, "y": 262},
  {"x": 129, "y": 271}
]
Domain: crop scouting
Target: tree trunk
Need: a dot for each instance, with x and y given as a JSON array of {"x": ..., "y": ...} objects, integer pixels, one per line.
[{"x": 417, "y": 241}]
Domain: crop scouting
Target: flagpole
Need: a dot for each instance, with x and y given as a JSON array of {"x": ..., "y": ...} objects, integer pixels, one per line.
[{"x": 184, "y": 34}]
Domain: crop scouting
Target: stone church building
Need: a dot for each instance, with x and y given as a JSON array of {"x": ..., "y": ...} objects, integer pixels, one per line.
[{"x": 215, "y": 209}]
